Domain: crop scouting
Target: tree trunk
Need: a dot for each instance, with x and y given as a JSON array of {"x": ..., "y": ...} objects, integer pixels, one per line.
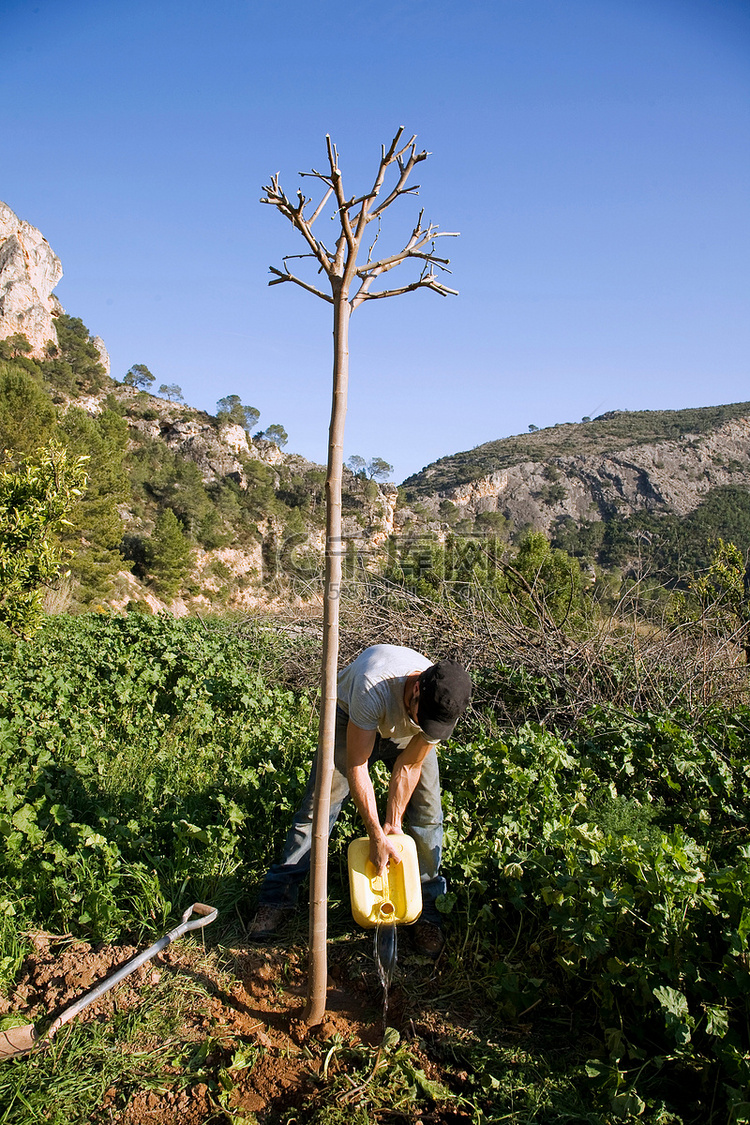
[{"x": 318, "y": 974}]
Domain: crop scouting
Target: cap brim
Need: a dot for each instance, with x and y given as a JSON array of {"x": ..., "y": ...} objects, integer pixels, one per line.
[{"x": 436, "y": 731}]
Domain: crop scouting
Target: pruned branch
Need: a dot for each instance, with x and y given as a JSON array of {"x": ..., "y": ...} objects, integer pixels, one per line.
[
  {"x": 405, "y": 169},
  {"x": 386, "y": 264},
  {"x": 321, "y": 205},
  {"x": 419, "y": 237},
  {"x": 276, "y": 197},
  {"x": 347, "y": 240},
  {"x": 374, "y": 243},
  {"x": 315, "y": 174},
  {"x": 289, "y": 276},
  {"x": 428, "y": 282}
]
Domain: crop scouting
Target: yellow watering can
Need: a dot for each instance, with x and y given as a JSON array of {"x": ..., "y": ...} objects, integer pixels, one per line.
[{"x": 396, "y": 896}]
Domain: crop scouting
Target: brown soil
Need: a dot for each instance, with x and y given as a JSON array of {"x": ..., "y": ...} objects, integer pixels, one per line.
[{"x": 243, "y": 998}]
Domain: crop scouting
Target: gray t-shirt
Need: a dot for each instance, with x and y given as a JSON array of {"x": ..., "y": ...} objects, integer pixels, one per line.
[{"x": 371, "y": 691}]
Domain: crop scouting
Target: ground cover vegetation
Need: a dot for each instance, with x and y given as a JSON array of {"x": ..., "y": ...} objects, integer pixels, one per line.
[{"x": 596, "y": 850}]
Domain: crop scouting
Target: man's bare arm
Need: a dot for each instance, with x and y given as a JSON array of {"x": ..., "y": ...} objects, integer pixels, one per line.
[
  {"x": 359, "y": 744},
  {"x": 406, "y": 773}
]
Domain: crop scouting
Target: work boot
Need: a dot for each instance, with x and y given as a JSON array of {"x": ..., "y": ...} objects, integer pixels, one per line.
[
  {"x": 428, "y": 939},
  {"x": 267, "y": 921}
]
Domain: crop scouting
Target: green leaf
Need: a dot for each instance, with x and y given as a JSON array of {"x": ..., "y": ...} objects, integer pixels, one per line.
[
  {"x": 717, "y": 1021},
  {"x": 445, "y": 903},
  {"x": 743, "y": 928},
  {"x": 672, "y": 1000}
]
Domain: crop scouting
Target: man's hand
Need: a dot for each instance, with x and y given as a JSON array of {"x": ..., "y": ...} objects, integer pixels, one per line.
[{"x": 382, "y": 851}]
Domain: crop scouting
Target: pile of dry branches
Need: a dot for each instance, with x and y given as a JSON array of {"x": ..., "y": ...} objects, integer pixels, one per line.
[{"x": 525, "y": 666}]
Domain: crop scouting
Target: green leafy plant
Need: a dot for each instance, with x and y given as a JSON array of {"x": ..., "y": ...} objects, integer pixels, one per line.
[{"x": 36, "y": 496}]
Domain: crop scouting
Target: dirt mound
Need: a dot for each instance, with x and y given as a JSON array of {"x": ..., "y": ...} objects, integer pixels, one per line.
[
  {"x": 60, "y": 970},
  {"x": 245, "y": 1047}
]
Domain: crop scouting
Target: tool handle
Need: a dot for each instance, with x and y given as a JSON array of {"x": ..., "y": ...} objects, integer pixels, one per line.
[{"x": 206, "y": 915}]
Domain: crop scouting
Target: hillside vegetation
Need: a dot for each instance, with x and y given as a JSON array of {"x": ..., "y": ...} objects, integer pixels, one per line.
[
  {"x": 191, "y": 511},
  {"x": 609, "y": 433},
  {"x": 178, "y": 504},
  {"x": 641, "y": 493}
]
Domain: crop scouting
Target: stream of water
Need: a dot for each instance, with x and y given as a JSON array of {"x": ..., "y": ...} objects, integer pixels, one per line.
[{"x": 386, "y": 955}]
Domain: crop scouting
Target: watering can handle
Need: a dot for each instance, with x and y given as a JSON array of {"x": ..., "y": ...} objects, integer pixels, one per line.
[{"x": 206, "y": 915}]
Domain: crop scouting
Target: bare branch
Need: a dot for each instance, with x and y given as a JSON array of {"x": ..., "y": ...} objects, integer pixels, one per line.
[
  {"x": 338, "y": 187},
  {"x": 290, "y": 257},
  {"x": 315, "y": 174},
  {"x": 428, "y": 282},
  {"x": 371, "y": 271},
  {"x": 386, "y": 159},
  {"x": 360, "y": 199},
  {"x": 409, "y": 144},
  {"x": 406, "y": 170},
  {"x": 373, "y": 244},
  {"x": 386, "y": 264},
  {"x": 282, "y": 276},
  {"x": 333, "y": 155},
  {"x": 277, "y": 197},
  {"x": 320, "y": 206}
]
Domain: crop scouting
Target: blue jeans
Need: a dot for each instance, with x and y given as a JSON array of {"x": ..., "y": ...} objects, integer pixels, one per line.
[{"x": 424, "y": 815}]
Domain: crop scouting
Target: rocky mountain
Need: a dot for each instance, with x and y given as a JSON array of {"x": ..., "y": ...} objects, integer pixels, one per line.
[
  {"x": 620, "y": 464},
  {"x": 247, "y": 518},
  {"x": 266, "y": 540},
  {"x": 29, "y": 271}
]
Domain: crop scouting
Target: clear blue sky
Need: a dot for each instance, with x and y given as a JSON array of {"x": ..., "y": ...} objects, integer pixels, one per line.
[{"x": 594, "y": 155}]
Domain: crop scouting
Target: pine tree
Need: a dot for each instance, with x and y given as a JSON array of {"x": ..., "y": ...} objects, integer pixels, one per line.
[
  {"x": 94, "y": 532},
  {"x": 27, "y": 416},
  {"x": 169, "y": 554},
  {"x": 75, "y": 365}
]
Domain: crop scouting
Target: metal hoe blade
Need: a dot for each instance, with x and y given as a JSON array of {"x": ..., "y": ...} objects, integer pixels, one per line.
[{"x": 18, "y": 1041}]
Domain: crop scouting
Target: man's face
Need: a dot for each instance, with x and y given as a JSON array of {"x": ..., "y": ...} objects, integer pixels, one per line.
[{"x": 412, "y": 704}]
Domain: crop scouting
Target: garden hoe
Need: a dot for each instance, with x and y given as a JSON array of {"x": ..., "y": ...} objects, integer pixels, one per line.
[{"x": 20, "y": 1040}]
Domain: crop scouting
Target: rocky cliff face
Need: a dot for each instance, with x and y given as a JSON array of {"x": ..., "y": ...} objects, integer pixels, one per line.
[
  {"x": 668, "y": 476},
  {"x": 246, "y": 575},
  {"x": 29, "y": 271}
]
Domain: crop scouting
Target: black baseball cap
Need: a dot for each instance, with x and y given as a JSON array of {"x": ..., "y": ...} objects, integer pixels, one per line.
[{"x": 444, "y": 694}]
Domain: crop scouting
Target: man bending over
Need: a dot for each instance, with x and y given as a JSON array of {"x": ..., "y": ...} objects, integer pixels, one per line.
[{"x": 394, "y": 706}]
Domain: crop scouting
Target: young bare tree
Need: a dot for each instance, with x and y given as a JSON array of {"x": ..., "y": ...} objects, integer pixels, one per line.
[{"x": 351, "y": 283}]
